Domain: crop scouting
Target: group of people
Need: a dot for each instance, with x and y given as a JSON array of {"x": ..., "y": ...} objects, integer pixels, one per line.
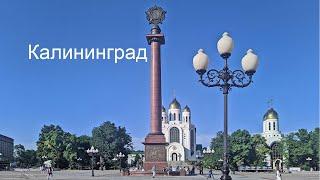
[{"x": 177, "y": 169}]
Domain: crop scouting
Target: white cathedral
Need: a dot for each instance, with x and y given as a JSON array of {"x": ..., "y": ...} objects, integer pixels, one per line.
[
  {"x": 179, "y": 132},
  {"x": 273, "y": 136}
]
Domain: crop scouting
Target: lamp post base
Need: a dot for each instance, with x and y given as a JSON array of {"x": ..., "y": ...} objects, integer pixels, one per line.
[{"x": 225, "y": 177}]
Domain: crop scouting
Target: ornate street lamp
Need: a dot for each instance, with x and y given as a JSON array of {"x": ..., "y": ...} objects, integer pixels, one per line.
[
  {"x": 208, "y": 151},
  {"x": 79, "y": 162},
  {"x": 91, "y": 152},
  {"x": 309, "y": 159},
  {"x": 225, "y": 79},
  {"x": 120, "y": 156}
]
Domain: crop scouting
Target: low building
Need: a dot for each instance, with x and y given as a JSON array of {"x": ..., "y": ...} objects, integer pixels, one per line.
[
  {"x": 135, "y": 156},
  {"x": 6, "y": 151}
]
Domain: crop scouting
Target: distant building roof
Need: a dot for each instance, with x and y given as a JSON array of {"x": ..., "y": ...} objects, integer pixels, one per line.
[
  {"x": 199, "y": 147},
  {"x": 3, "y": 137}
]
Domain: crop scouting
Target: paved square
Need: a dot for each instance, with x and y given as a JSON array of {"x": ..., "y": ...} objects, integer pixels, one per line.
[{"x": 114, "y": 174}]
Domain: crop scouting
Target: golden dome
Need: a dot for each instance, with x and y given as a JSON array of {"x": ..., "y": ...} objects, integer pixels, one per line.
[
  {"x": 270, "y": 114},
  {"x": 175, "y": 104},
  {"x": 186, "y": 109}
]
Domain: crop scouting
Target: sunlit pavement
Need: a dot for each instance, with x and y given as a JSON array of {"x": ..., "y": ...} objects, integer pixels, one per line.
[{"x": 114, "y": 174}]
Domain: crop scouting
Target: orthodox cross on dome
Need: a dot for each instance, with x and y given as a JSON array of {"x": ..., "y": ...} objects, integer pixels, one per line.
[{"x": 270, "y": 103}]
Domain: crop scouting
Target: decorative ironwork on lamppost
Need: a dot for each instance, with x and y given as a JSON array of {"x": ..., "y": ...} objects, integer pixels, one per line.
[
  {"x": 225, "y": 79},
  {"x": 91, "y": 152},
  {"x": 120, "y": 156}
]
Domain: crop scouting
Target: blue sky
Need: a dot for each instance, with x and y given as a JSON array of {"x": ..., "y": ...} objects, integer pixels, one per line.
[{"x": 80, "y": 95}]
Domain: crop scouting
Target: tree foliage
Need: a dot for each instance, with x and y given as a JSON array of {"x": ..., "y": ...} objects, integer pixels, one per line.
[
  {"x": 214, "y": 160},
  {"x": 66, "y": 150},
  {"x": 25, "y": 158},
  {"x": 251, "y": 150},
  {"x": 110, "y": 140},
  {"x": 52, "y": 144},
  {"x": 244, "y": 149},
  {"x": 300, "y": 145}
]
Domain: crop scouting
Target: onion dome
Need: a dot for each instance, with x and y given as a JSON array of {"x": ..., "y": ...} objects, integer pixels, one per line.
[
  {"x": 270, "y": 114},
  {"x": 186, "y": 109},
  {"x": 163, "y": 109},
  {"x": 175, "y": 104}
]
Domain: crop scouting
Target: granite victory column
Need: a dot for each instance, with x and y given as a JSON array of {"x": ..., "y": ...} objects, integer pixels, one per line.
[{"x": 155, "y": 143}]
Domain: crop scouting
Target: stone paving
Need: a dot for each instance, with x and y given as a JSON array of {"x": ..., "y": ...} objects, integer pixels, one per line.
[{"x": 114, "y": 174}]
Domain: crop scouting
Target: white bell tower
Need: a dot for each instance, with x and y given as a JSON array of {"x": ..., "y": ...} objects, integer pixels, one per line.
[{"x": 271, "y": 130}]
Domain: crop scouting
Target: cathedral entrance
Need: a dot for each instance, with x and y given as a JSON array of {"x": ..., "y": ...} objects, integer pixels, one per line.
[
  {"x": 174, "y": 157},
  {"x": 278, "y": 164},
  {"x": 276, "y": 156}
]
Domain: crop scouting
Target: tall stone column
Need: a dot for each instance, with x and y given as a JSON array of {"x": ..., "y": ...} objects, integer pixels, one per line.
[{"x": 155, "y": 143}]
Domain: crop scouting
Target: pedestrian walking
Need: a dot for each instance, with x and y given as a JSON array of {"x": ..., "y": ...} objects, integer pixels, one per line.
[
  {"x": 210, "y": 174},
  {"x": 278, "y": 174},
  {"x": 201, "y": 170},
  {"x": 50, "y": 173},
  {"x": 153, "y": 171}
]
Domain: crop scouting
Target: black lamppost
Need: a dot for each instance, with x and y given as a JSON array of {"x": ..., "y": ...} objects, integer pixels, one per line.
[
  {"x": 225, "y": 79},
  {"x": 120, "y": 156},
  {"x": 91, "y": 152},
  {"x": 309, "y": 159},
  {"x": 79, "y": 162}
]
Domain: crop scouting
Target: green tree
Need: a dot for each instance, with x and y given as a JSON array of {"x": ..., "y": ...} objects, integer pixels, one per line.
[
  {"x": 301, "y": 145},
  {"x": 136, "y": 160},
  {"x": 240, "y": 147},
  {"x": 259, "y": 150},
  {"x": 51, "y": 145},
  {"x": 25, "y": 158},
  {"x": 110, "y": 140},
  {"x": 314, "y": 138},
  {"x": 214, "y": 160},
  {"x": 83, "y": 143},
  {"x": 71, "y": 148}
]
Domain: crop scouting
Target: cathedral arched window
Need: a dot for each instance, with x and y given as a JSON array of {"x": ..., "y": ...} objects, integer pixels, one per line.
[
  {"x": 275, "y": 151},
  {"x": 269, "y": 126},
  {"x": 179, "y": 117},
  {"x": 174, "y": 135},
  {"x": 174, "y": 116},
  {"x": 274, "y": 125}
]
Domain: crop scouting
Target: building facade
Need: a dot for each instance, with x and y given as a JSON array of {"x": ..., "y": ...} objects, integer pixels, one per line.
[
  {"x": 272, "y": 134},
  {"x": 6, "y": 151},
  {"x": 179, "y": 132}
]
